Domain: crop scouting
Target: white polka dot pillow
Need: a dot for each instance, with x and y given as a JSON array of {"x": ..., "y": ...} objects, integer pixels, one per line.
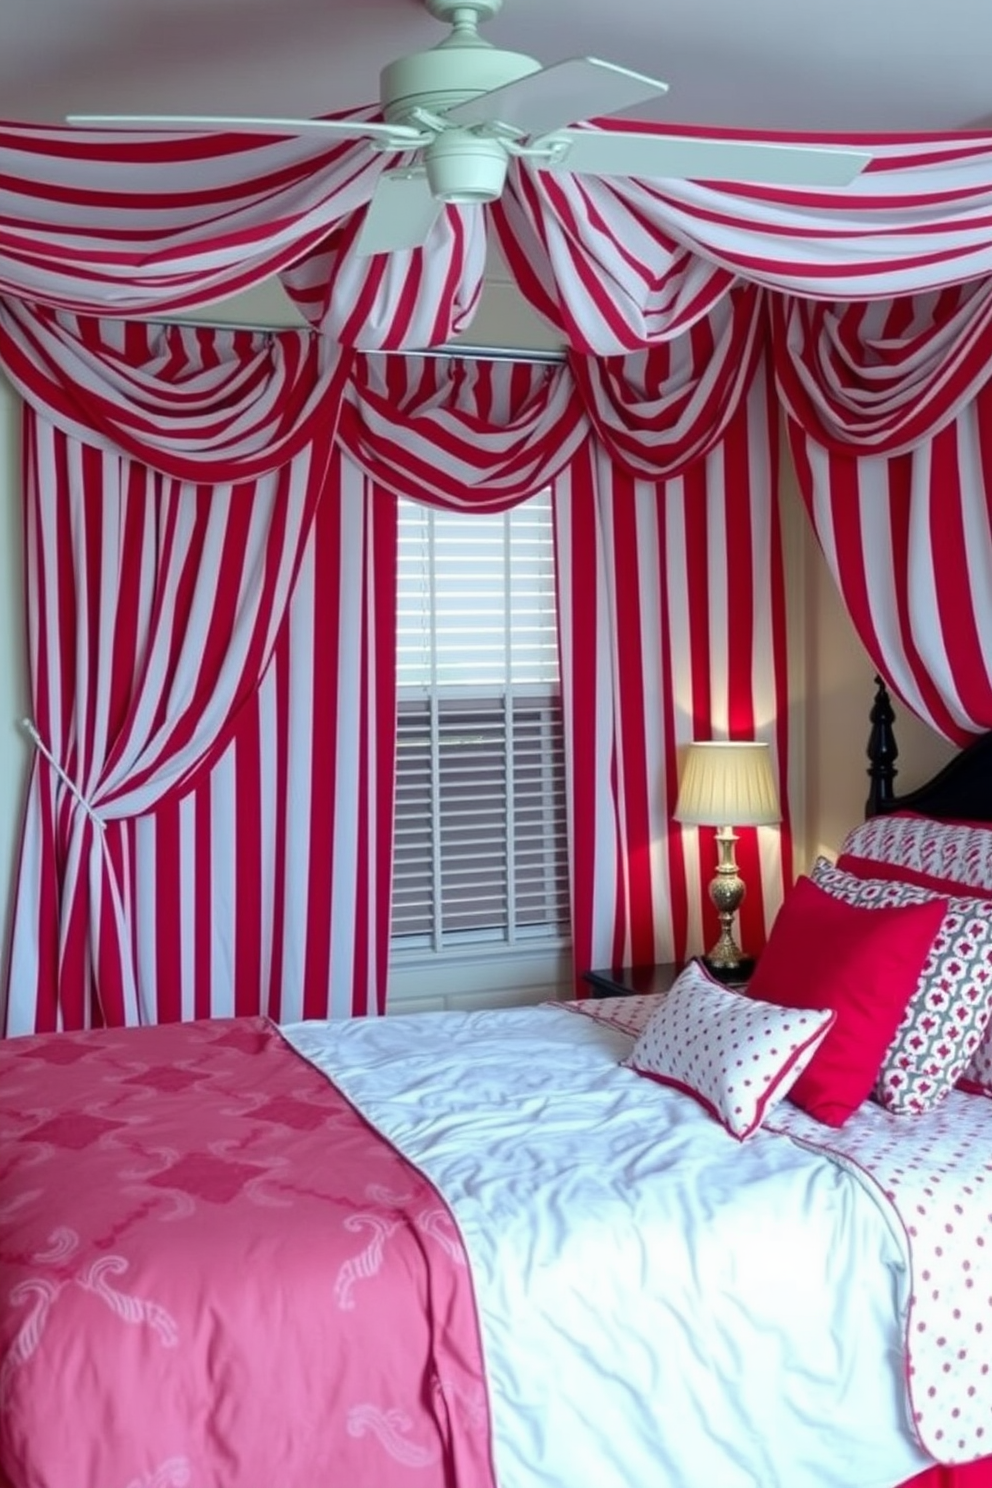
[
  {"x": 737, "y": 1057},
  {"x": 945, "y": 1031}
]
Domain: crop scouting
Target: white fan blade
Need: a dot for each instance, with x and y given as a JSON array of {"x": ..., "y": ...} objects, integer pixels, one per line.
[
  {"x": 582, "y": 88},
  {"x": 677, "y": 157},
  {"x": 400, "y": 215},
  {"x": 404, "y": 137}
]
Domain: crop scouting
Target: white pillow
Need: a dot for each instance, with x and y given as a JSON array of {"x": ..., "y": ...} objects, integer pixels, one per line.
[{"x": 738, "y": 1057}]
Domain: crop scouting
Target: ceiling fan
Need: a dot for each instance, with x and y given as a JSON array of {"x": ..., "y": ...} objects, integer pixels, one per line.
[{"x": 465, "y": 108}]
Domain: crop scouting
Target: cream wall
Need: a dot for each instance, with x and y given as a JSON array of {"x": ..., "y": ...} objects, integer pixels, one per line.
[{"x": 832, "y": 677}]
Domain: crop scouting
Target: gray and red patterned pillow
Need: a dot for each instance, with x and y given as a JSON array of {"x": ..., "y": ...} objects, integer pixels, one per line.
[
  {"x": 735, "y": 1055},
  {"x": 942, "y": 1037}
]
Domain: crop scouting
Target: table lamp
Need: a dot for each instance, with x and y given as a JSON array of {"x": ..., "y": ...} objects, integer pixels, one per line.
[{"x": 723, "y": 784}]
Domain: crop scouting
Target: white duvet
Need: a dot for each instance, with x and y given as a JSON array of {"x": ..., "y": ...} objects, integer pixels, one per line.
[{"x": 661, "y": 1306}]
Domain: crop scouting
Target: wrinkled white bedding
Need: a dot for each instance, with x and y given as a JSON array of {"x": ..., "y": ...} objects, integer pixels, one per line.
[{"x": 659, "y": 1304}]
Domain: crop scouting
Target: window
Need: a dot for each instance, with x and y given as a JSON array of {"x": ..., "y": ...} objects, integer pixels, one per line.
[{"x": 480, "y": 831}]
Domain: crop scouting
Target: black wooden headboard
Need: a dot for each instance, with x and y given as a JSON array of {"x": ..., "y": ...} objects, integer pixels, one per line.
[{"x": 961, "y": 791}]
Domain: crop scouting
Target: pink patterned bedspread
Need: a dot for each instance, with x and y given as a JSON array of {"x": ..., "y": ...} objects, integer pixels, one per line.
[
  {"x": 934, "y": 1174},
  {"x": 213, "y": 1272}
]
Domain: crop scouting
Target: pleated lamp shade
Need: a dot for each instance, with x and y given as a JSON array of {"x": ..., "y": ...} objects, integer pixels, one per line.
[{"x": 728, "y": 784}]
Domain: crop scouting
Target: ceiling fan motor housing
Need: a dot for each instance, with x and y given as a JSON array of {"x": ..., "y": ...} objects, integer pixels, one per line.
[{"x": 459, "y": 68}]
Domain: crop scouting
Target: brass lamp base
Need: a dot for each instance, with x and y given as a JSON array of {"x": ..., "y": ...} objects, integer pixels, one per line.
[{"x": 727, "y": 893}]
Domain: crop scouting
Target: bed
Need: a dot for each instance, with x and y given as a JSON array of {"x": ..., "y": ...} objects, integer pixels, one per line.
[{"x": 500, "y": 1249}]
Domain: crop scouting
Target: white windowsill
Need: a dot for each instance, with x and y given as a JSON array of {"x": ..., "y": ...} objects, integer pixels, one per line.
[{"x": 477, "y": 978}]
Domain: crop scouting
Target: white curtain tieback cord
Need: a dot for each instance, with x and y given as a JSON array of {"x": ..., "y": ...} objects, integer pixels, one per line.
[{"x": 70, "y": 785}]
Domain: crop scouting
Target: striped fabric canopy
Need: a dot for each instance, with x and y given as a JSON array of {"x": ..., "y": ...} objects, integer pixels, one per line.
[{"x": 615, "y": 263}]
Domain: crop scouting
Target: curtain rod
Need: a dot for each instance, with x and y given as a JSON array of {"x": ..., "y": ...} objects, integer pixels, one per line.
[
  {"x": 548, "y": 355},
  {"x": 486, "y": 353}
]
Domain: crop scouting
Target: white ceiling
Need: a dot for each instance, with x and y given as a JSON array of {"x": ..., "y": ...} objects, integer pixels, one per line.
[{"x": 793, "y": 64}]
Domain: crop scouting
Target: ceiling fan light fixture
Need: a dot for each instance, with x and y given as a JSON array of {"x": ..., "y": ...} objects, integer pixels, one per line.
[{"x": 464, "y": 168}]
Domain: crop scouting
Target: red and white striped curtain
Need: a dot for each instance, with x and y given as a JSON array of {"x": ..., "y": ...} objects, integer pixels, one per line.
[
  {"x": 890, "y": 423},
  {"x": 210, "y": 823},
  {"x": 154, "y": 605},
  {"x": 655, "y": 577},
  {"x": 185, "y": 400},
  {"x": 265, "y": 887},
  {"x": 673, "y": 629}
]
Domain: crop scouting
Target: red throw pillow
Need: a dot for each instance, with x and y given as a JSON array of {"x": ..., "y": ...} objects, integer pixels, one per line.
[{"x": 862, "y": 963}]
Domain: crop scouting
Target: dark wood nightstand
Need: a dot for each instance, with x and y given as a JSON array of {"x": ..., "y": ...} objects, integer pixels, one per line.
[{"x": 621, "y": 981}]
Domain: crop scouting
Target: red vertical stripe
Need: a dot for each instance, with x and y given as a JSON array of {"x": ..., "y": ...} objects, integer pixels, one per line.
[
  {"x": 738, "y": 545},
  {"x": 380, "y": 654},
  {"x": 204, "y": 847},
  {"x": 576, "y": 569},
  {"x": 280, "y": 787},
  {"x": 250, "y": 907},
  {"x": 168, "y": 928},
  {"x": 780, "y": 654},
  {"x": 327, "y": 640}
]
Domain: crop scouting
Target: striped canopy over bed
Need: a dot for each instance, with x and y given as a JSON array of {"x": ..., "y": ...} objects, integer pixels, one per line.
[{"x": 692, "y": 312}]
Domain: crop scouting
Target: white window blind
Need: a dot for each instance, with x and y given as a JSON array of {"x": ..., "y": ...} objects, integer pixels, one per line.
[{"x": 480, "y": 849}]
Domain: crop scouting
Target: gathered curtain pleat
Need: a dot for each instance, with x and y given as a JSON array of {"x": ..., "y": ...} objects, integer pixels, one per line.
[
  {"x": 882, "y": 376},
  {"x": 658, "y": 410},
  {"x": 413, "y": 297},
  {"x": 461, "y": 432},
  {"x": 889, "y": 416},
  {"x": 179, "y": 398}
]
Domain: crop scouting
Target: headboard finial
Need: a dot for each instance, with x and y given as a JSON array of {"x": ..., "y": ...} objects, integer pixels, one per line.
[{"x": 882, "y": 752}]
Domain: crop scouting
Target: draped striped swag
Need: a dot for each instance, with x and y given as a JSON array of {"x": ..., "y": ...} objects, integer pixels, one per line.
[
  {"x": 908, "y": 540},
  {"x": 889, "y": 413},
  {"x": 464, "y": 433},
  {"x": 615, "y": 263}
]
